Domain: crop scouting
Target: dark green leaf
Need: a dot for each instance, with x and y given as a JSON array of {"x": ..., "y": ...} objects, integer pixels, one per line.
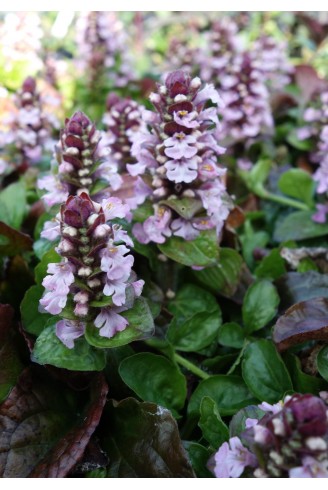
[
  {"x": 298, "y": 184},
  {"x": 322, "y": 362},
  {"x": 299, "y": 226},
  {"x": 183, "y": 307},
  {"x": 42, "y": 246},
  {"x": 201, "y": 252},
  {"x": 303, "y": 383},
  {"x": 224, "y": 277},
  {"x": 296, "y": 142},
  {"x": 199, "y": 457},
  {"x": 260, "y": 305},
  {"x": 33, "y": 321},
  {"x": 141, "y": 326},
  {"x": 272, "y": 266},
  {"x": 213, "y": 428},
  {"x": 196, "y": 332},
  {"x": 264, "y": 372},
  {"x": 231, "y": 335},
  {"x": 49, "y": 349},
  {"x": 229, "y": 393},
  {"x": 142, "y": 441},
  {"x": 155, "y": 379}
]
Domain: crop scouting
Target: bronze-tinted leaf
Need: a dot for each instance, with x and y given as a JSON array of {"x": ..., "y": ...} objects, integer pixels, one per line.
[
  {"x": 13, "y": 242},
  {"x": 142, "y": 441},
  {"x": 308, "y": 81},
  {"x": 69, "y": 450},
  {"x": 307, "y": 320},
  {"x": 294, "y": 287}
]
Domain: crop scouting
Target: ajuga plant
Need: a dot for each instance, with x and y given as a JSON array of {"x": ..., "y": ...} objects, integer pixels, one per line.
[
  {"x": 122, "y": 119},
  {"x": 28, "y": 135},
  {"x": 177, "y": 160},
  {"x": 93, "y": 284},
  {"x": 290, "y": 440},
  {"x": 81, "y": 164}
]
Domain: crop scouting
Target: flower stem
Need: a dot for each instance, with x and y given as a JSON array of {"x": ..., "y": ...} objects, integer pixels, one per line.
[
  {"x": 190, "y": 366},
  {"x": 286, "y": 201}
]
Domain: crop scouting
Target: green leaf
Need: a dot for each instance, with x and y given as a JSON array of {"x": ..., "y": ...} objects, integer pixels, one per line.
[
  {"x": 264, "y": 372},
  {"x": 41, "y": 247},
  {"x": 230, "y": 393},
  {"x": 195, "y": 323},
  {"x": 299, "y": 226},
  {"x": 202, "y": 301},
  {"x": 322, "y": 362},
  {"x": 260, "y": 305},
  {"x": 213, "y": 428},
  {"x": 141, "y": 326},
  {"x": 50, "y": 257},
  {"x": 256, "y": 178},
  {"x": 224, "y": 277},
  {"x": 166, "y": 385},
  {"x": 13, "y": 199},
  {"x": 142, "y": 441},
  {"x": 296, "y": 142},
  {"x": 201, "y": 252},
  {"x": 33, "y": 321},
  {"x": 186, "y": 207},
  {"x": 199, "y": 457},
  {"x": 231, "y": 335},
  {"x": 298, "y": 184},
  {"x": 49, "y": 349},
  {"x": 272, "y": 266},
  {"x": 196, "y": 333},
  {"x": 143, "y": 212},
  {"x": 303, "y": 383}
]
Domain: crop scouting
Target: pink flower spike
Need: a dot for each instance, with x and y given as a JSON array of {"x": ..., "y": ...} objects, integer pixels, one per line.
[
  {"x": 114, "y": 208},
  {"x": 184, "y": 170}
]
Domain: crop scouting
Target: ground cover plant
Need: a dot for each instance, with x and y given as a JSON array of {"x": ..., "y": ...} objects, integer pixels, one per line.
[{"x": 163, "y": 244}]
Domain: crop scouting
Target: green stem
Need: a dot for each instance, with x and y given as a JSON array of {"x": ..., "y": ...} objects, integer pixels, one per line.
[
  {"x": 284, "y": 200},
  {"x": 190, "y": 366}
]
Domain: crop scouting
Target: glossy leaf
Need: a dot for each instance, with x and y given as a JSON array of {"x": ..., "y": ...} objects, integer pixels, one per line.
[
  {"x": 141, "y": 326},
  {"x": 186, "y": 207},
  {"x": 166, "y": 385},
  {"x": 213, "y": 428},
  {"x": 307, "y": 320},
  {"x": 231, "y": 335},
  {"x": 33, "y": 321},
  {"x": 298, "y": 184},
  {"x": 13, "y": 201},
  {"x": 260, "y": 305},
  {"x": 41, "y": 269},
  {"x": 49, "y": 349},
  {"x": 322, "y": 362},
  {"x": 264, "y": 372},
  {"x": 142, "y": 441},
  {"x": 224, "y": 277},
  {"x": 199, "y": 457},
  {"x": 238, "y": 421},
  {"x": 272, "y": 266},
  {"x": 302, "y": 382},
  {"x": 201, "y": 252},
  {"x": 230, "y": 393},
  {"x": 294, "y": 287}
]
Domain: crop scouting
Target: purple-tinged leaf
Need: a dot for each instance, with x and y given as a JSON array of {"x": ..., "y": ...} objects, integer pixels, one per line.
[{"x": 307, "y": 320}]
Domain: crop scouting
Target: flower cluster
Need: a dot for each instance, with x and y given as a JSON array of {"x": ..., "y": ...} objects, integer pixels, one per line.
[
  {"x": 181, "y": 55},
  {"x": 122, "y": 120},
  {"x": 222, "y": 44},
  {"x": 80, "y": 162},
  {"x": 270, "y": 57},
  {"x": 96, "y": 264},
  {"x": 247, "y": 113},
  {"x": 102, "y": 48},
  {"x": 291, "y": 440},
  {"x": 177, "y": 158},
  {"x": 29, "y": 128}
]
